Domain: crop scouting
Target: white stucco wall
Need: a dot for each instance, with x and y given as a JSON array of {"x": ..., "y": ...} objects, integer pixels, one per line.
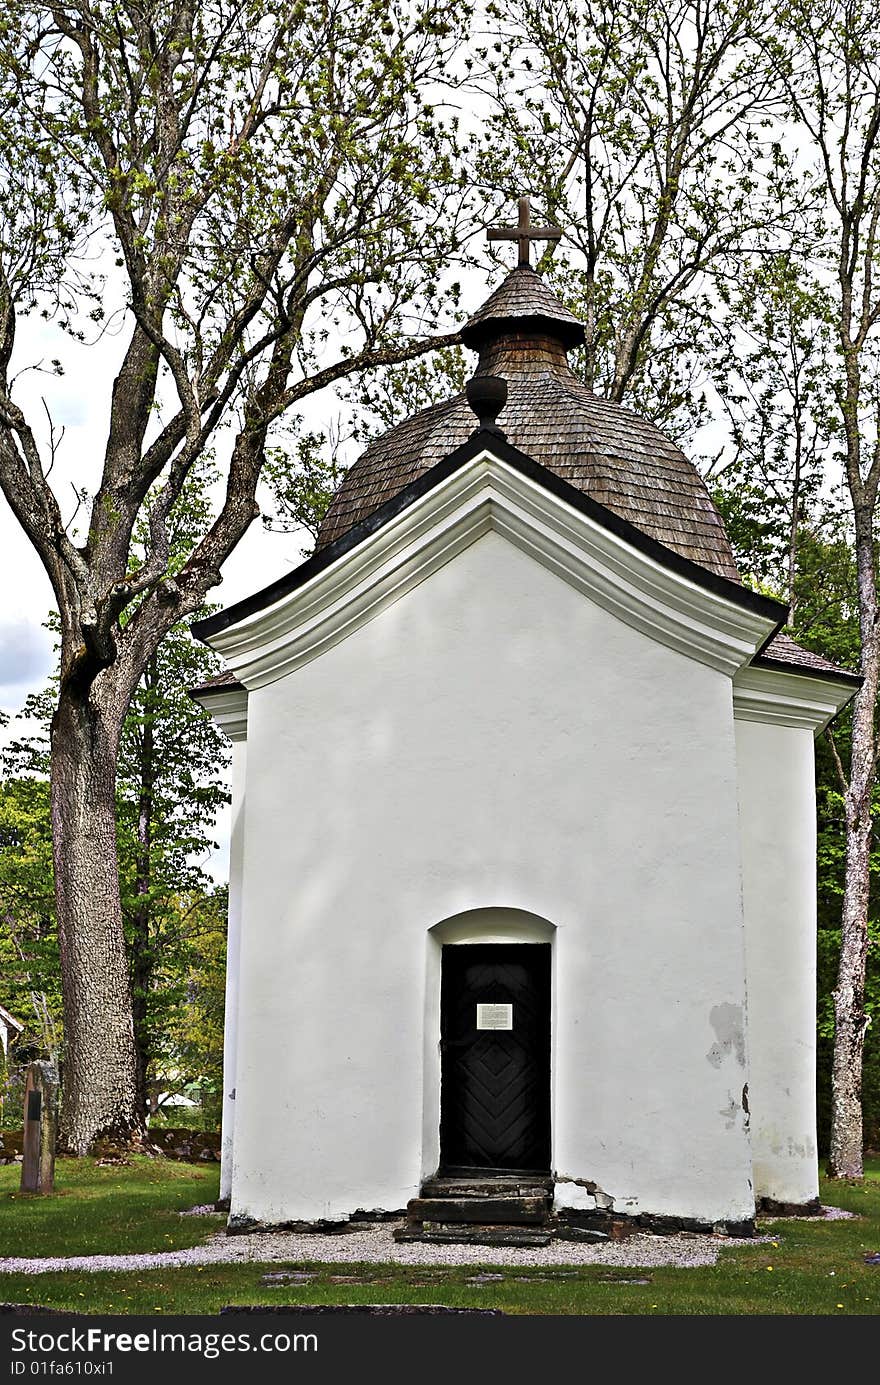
[
  {"x": 778, "y": 825},
  {"x": 233, "y": 949},
  {"x": 492, "y": 740}
]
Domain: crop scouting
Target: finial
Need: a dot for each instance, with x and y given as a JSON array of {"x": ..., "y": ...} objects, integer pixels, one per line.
[
  {"x": 524, "y": 232},
  {"x": 487, "y": 396}
]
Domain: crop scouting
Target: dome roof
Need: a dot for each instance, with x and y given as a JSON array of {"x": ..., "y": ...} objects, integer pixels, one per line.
[
  {"x": 622, "y": 461},
  {"x": 523, "y": 300}
]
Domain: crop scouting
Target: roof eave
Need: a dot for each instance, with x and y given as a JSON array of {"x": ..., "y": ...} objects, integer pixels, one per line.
[
  {"x": 483, "y": 486},
  {"x": 474, "y": 335},
  {"x": 480, "y": 440},
  {"x": 839, "y": 675},
  {"x": 780, "y": 694},
  {"x": 230, "y": 685},
  {"x": 227, "y": 706}
]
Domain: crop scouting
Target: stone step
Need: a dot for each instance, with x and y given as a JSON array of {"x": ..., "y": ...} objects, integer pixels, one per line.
[
  {"x": 487, "y": 1187},
  {"x": 472, "y": 1234},
  {"x": 579, "y": 1233},
  {"x": 478, "y": 1209}
]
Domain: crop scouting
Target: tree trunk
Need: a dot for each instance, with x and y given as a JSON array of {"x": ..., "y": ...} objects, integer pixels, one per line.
[
  {"x": 141, "y": 970},
  {"x": 794, "y": 525},
  {"x": 100, "y": 1063},
  {"x": 141, "y": 942},
  {"x": 850, "y": 1019}
]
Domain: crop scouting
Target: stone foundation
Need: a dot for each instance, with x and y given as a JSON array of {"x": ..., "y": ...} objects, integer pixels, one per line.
[
  {"x": 769, "y": 1207},
  {"x": 190, "y": 1146},
  {"x": 240, "y": 1225},
  {"x": 565, "y": 1225},
  {"x": 618, "y": 1225}
]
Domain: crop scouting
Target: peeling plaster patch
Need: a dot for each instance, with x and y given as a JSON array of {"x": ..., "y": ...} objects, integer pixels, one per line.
[
  {"x": 593, "y": 1197},
  {"x": 576, "y": 1197},
  {"x": 784, "y": 1146},
  {"x": 727, "y": 1022},
  {"x": 729, "y": 1113},
  {"x": 587, "y": 1183}
]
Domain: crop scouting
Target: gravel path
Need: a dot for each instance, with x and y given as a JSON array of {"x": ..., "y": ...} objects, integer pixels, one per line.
[{"x": 376, "y": 1245}]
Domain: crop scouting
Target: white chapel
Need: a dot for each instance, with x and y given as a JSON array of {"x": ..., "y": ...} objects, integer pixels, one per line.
[{"x": 522, "y": 898}]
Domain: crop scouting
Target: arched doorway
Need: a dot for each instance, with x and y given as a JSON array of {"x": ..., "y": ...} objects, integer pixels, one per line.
[
  {"x": 489, "y": 1043},
  {"x": 495, "y": 1057}
]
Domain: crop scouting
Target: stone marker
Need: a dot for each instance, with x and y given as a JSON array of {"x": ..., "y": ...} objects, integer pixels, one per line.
[{"x": 40, "y": 1120}]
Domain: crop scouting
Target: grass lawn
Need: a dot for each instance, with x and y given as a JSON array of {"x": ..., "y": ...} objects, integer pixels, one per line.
[
  {"x": 109, "y": 1210},
  {"x": 813, "y": 1268}
]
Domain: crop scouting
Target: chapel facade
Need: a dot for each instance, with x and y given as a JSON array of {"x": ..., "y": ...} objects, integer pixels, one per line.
[{"x": 522, "y": 882}]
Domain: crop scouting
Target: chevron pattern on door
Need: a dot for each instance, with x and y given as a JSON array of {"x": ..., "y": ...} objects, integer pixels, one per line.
[{"x": 495, "y": 1083}]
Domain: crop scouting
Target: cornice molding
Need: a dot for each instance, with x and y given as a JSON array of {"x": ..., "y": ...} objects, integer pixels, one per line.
[
  {"x": 228, "y": 707},
  {"x": 487, "y": 494},
  {"x": 788, "y": 699},
  {"x": 482, "y": 441}
]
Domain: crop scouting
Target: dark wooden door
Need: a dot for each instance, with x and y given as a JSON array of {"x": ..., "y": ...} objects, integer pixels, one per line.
[{"x": 495, "y": 1081}]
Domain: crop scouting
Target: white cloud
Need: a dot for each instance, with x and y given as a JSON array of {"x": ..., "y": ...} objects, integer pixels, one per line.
[{"x": 26, "y": 658}]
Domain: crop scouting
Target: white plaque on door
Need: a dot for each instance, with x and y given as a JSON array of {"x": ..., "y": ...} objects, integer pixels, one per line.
[{"x": 494, "y": 1016}]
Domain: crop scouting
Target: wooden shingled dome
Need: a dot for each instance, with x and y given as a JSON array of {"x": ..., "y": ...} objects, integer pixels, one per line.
[{"x": 522, "y": 333}]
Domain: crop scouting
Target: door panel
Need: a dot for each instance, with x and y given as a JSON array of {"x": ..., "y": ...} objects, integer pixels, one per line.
[{"x": 495, "y": 1082}]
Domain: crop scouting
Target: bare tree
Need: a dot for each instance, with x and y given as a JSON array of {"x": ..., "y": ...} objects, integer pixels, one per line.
[
  {"x": 639, "y": 124},
  {"x": 278, "y": 194},
  {"x": 772, "y": 383}
]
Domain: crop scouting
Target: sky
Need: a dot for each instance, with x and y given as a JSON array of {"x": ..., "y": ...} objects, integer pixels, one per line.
[{"x": 79, "y": 401}]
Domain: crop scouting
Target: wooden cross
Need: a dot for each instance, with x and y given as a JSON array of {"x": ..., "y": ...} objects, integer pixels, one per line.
[{"x": 524, "y": 233}]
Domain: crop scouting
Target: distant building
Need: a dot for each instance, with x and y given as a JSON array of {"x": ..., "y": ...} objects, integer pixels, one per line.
[{"x": 10, "y": 1028}]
